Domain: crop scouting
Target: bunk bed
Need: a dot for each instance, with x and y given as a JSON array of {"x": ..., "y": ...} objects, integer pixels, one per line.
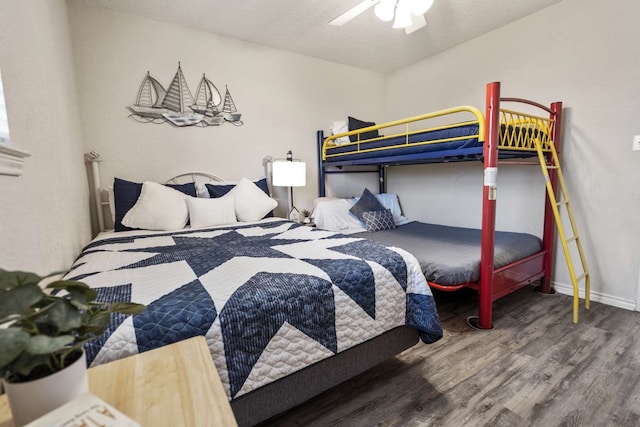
[
  {"x": 288, "y": 311},
  {"x": 507, "y": 135}
]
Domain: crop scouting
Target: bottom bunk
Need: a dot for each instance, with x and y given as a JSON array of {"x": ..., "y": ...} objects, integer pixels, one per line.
[{"x": 449, "y": 256}]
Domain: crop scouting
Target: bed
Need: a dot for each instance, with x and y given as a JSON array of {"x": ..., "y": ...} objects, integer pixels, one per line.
[
  {"x": 511, "y": 136},
  {"x": 288, "y": 311}
]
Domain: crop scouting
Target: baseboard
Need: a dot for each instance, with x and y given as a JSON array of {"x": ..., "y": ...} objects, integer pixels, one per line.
[{"x": 627, "y": 304}]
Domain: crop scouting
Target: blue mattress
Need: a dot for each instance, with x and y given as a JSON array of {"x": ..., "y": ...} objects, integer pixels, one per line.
[{"x": 467, "y": 147}]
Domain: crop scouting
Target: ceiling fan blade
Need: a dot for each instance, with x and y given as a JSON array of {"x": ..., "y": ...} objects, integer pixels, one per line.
[
  {"x": 353, "y": 12},
  {"x": 418, "y": 22}
]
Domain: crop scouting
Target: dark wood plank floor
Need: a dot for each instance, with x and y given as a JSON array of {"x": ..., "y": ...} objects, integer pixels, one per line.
[{"x": 535, "y": 368}]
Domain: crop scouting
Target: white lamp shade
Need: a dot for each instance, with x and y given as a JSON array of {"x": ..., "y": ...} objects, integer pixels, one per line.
[{"x": 289, "y": 174}]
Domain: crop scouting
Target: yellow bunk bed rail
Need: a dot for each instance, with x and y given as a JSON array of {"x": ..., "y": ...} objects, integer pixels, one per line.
[
  {"x": 519, "y": 131},
  {"x": 425, "y": 118}
]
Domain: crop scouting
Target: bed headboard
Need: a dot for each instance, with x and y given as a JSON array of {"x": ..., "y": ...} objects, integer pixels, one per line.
[
  {"x": 197, "y": 177},
  {"x": 100, "y": 196}
]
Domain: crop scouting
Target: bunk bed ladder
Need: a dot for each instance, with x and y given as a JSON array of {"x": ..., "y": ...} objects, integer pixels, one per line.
[{"x": 556, "y": 204}]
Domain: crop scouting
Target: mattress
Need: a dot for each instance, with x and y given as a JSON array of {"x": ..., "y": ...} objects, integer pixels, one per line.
[
  {"x": 451, "y": 255},
  {"x": 270, "y": 297}
]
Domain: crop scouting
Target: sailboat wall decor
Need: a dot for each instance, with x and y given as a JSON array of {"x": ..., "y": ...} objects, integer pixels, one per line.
[{"x": 177, "y": 106}]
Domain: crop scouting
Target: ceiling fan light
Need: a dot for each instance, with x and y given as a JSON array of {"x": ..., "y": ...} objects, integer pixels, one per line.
[
  {"x": 384, "y": 10},
  {"x": 403, "y": 15},
  {"x": 420, "y": 7}
]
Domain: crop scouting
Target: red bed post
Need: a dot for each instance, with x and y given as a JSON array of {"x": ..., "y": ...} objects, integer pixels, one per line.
[
  {"x": 489, "y": 193},
  {"x": 549, "y": 231}
]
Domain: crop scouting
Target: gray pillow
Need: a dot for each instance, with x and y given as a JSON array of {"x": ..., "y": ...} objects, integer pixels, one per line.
[
  {"x": 367, "y": 203},
  {"x": 378, "y": 220}
]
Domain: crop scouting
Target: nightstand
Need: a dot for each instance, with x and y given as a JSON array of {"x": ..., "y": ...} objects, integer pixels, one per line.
[{"x": 176, "y": 385}]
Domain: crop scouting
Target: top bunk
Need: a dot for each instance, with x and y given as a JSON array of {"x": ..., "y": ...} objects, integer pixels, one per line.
[{"x": 450, "y": 135}]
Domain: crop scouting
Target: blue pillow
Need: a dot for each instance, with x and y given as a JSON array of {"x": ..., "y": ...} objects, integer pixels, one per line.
[
  {"x": 126, "y": 194},
  {"x": 219, "y": 190},
  {"x": 367, "y": 203},
  {"x": 355, "y": 124}
]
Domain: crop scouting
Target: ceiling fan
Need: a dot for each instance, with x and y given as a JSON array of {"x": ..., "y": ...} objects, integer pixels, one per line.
[{"x": 408, "y": 14}]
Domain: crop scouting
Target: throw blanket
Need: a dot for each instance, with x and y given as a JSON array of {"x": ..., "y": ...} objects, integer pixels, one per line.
[{"x": 270, "y": 297}]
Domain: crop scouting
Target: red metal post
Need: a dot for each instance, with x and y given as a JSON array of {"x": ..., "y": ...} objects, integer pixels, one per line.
[
  {"x": 549, "y": 230},
  {"x": 489, "y": 193}
]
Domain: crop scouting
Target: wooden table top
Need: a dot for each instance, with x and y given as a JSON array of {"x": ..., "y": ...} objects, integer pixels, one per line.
[{"x": 176, "y": 385}]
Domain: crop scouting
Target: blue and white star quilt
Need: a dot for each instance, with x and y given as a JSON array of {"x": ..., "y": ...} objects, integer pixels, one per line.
[{"x": 270, "y": 297}]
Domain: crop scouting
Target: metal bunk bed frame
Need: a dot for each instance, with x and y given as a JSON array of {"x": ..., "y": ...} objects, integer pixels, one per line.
[{"x": 494, "y": 283}]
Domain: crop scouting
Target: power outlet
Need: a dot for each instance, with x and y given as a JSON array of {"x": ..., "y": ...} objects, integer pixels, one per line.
[{"x": 636, "y": 143}]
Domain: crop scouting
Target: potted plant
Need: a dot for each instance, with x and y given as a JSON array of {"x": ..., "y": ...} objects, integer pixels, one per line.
[
  {"x": 305, "y": 216},
  {"x": 42, "y": 336}
]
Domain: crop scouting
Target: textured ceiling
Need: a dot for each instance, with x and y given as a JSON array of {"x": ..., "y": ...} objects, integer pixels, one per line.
[{"x": 301, "y": 26}]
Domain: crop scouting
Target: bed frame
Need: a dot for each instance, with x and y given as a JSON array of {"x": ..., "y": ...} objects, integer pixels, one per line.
[{"x": 493, "y": 133}]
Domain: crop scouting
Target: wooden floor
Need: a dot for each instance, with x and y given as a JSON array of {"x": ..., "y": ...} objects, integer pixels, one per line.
[{"x": 535, "y": 368}]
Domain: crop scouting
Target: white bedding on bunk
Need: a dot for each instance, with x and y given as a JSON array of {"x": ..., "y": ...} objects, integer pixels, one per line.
[{"x": 333, "y": 214}]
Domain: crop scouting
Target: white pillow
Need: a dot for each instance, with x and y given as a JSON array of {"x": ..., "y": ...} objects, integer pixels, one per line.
[
  {"x": 251, "y": 202},
  {"x": 158, "y": 208},
  {"x": 334, "y": 215},
  {"x": 210, "y": 212},
  {"x": 340, "y": 127}
]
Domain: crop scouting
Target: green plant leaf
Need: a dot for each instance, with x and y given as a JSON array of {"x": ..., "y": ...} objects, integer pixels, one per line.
[
  {"x": 94, "y": 323},
  {"x": 20, "y": 299},
  {"x": 127, "y": 307},
  {"x": 68, "y": 284},
  {"x": 64, "y": 316},
  {"x": 42, "y": 344},
  {"x": 25, "y": 363},
  {"x": 13, "y": 341},
  {"x": 14, "y": 279},
  {"x": 10, "y": 318}
]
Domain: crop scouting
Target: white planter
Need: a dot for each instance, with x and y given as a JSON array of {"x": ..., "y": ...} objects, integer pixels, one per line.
[{"x": 32, "y": 399}]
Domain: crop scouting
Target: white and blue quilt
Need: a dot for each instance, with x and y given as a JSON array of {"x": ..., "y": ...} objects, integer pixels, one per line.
[{"x": 270, "y": 297}]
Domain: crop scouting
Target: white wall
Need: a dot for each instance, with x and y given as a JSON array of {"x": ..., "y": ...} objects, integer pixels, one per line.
[
  {"x": 283, "y": 98},
  {"x": 584, "y": 53},
  {"x": 44, "y": 216}
]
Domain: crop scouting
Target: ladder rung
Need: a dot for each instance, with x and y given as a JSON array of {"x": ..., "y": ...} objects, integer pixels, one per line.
[
  {"x": 564, "y": 202},
  {"x": 572, "y": 239},
  {"x": 582, "y": 276},
  {"x": 552, "y": 167}
]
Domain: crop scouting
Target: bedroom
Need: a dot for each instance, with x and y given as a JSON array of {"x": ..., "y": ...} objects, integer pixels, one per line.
[{"x": 89, "y": 61}]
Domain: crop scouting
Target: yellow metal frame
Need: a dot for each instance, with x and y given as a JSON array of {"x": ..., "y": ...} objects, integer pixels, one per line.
[
  {"x": 479, "y": 120},
  {"x": 529, "y": 127},
  {"x": 555, "y": 206}
]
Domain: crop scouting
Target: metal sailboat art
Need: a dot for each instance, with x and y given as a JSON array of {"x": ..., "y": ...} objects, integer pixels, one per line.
[
  {"x": 177, "y": 105},
  {"x": 149, "y": 100},
  {"x": 229, "y": 110},
  {"x": 207, "y": 101}
]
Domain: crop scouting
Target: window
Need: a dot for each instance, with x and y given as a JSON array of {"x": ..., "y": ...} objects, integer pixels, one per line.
[
  {"x": 4, "y": 122},
  {"x": 11, "y": 159}
]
